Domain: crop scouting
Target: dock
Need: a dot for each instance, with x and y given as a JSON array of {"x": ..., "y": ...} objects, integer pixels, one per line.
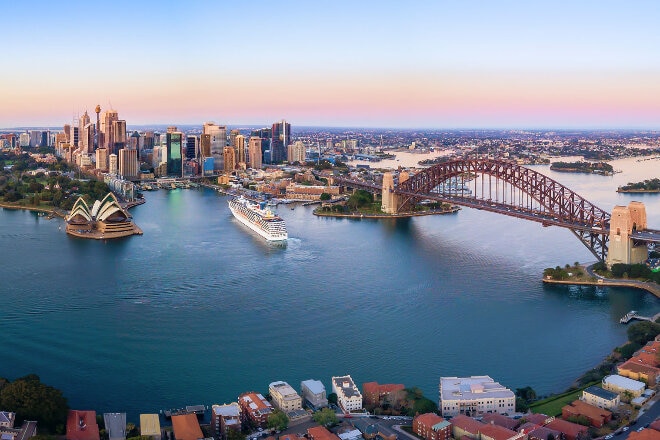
[
  {"x": 634, "y": 315},
  {"x": 191, "y": 409}
]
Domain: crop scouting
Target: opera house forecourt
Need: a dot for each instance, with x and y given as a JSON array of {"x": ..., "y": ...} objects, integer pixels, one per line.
[{"x": 105, "y": 220}]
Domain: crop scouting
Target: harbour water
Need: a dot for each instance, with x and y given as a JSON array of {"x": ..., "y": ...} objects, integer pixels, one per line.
[{"x": 198, "y": 309}]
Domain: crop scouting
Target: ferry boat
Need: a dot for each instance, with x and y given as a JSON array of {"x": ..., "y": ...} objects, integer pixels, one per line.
[{"x": 260, "y": 220}]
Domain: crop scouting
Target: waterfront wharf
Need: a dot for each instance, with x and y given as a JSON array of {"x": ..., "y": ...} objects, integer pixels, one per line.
[{"x": 634, "y": 315}]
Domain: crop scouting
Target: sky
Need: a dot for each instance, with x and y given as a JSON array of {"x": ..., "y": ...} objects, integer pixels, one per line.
[{"x": 417, "y": 64}]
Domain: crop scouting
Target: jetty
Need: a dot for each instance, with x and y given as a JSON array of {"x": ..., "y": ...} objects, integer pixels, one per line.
[
  {"x": 634, "y": 315},
  {"x": 190, "y": 409}
]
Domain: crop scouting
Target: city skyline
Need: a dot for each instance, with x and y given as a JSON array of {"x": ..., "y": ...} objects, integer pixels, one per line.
[{"x": 372, "y": 64}]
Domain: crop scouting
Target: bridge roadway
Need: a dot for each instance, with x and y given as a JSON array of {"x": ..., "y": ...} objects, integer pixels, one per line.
[{"x": 543, "y": 217}]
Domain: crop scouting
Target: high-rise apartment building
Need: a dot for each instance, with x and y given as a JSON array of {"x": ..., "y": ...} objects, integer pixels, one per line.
[
  {"x": 87, "y": 138},
  {"x": 296, "y": 152},
  {"x": 254, "y": 152},
  {"x": 112, "y": 164}
]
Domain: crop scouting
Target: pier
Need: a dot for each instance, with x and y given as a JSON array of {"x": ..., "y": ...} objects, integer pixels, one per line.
[{"x": 634, "y": 315}]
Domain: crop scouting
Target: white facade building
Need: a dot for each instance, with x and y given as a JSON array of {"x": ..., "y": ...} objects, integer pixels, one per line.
[
  {"x": 474, "y": 396},
  {"x": 348, "y": 395}
]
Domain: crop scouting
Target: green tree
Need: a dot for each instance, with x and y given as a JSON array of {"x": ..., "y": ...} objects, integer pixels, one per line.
[
  {"x": 643, "y": 332},
  {"x": 235, "y": 434},
  {"x": 325, "y": 196},
  {"x": 332, "y": 398},
  {"x": 277, "y": 420},
  {"x": 32, "y": 400},
  {"x": 325, "y": 417}
]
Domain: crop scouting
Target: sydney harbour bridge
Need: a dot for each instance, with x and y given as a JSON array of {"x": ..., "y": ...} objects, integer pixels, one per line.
[{"x": 504, "y": 187}]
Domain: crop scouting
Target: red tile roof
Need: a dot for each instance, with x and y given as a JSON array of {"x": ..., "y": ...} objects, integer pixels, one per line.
[
  {"x": 497, "y": 432},
  {"x": 186, "y": 427},
  {"x": 429, "y": 419},
  {"x": 320, "y": 433},
  {"x": 467, "y": 424},
  {"x": 570, "y": 429},
  {"x": 645, "y": 434},
  {"x": 500, "y": 420},
  {"x": 81, "y": 425}
]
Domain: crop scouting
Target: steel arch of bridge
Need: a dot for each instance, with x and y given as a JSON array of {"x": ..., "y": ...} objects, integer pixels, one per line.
[{"x": 548, "y": 201}]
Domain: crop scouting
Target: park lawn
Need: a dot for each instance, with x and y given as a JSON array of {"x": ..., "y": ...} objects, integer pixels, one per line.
[{"x": 552, "y": 405}]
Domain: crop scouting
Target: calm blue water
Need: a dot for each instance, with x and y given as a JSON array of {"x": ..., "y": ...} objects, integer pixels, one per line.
[{"x": 198, "y": 309}]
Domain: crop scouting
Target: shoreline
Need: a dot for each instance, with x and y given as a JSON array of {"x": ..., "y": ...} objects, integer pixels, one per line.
[
  {"x": 638, "y": 191},
  {"x": 379, "y": 216},
  {"x": 652, "y": 288},
  {"x": 51, "y": 211}
]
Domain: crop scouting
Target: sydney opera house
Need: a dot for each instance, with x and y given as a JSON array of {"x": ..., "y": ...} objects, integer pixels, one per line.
[{"x": 106, "y": 219}]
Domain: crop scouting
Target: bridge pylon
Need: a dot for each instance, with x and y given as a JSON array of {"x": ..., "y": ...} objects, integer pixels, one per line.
[
  {"x": 624, "y": 221},
  {"x": 390, "y": 200}
]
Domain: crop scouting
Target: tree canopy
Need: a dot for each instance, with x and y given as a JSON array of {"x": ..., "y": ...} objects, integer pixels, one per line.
[
  {"x": 325, "y": 417},
  {"x": 278, "y": 420},
  {"x": 32, "y": 400}
]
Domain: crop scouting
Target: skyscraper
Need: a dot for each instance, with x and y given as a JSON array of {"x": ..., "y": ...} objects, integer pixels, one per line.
[
  {"x": 239, "y": 144},
  {"x": 254, "y": 152},
  {"x": 281, "y": 137},
  {"x": 232, "y": 137},
  {"x": 230, "y": 159},
  {"x": 119, "y": 133},
  {"x": 128, "y": 164},
  {"x": 108, "y": 117},
  {"x": 218, "y": 140},
  {"x": 192, "y": 147},
  {"x": 296, "y": 152},
  {"x": 174, "y": 143},
  {"x": 205, "y": 145}
]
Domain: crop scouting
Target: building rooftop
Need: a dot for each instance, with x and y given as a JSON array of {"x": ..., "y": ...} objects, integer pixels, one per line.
[
  {"x": 473, "y": 387},
  {"x": 115, "y": 424},
  {"x": 283, "y": 388},
  {"x": 149, "y": 424},
  {"x": 429, "y": 419},
  {"x": 186, "y": 427},
  {"x": 599, "y": 392},
  {"x": 255, "y": 402},
  {"x": 8, "y": 418},
  {"x": 583, "y": 408},
  {"x": 497, "y": 432},
  {"x": 315, "y": 386},
  {"x": 320, "y": 433},
  {"x": 346, "y": 384},
  {"x": 500, "y": 420},
  {"x": 539, "y": 432},
  {"x": 81, "y": 425},
  {"x": 467, "y": 423},
  {"x": 568, "y": 428},
  {"x": 624, "y": 382},
  {"x": 645, "y": 434},
  {"x": 229, "y": 410}
]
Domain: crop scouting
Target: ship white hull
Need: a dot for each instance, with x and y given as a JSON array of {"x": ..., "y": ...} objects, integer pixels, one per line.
[{"x": 241, "y": 217}]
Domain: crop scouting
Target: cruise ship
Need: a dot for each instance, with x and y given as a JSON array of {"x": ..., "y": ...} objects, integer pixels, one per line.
[{"x": 260, "y": 220}]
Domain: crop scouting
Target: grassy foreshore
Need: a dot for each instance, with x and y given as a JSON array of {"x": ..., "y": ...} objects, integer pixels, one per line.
[
  {"x": 46, "y": 209},
  {"x": 584, "y": 279}
]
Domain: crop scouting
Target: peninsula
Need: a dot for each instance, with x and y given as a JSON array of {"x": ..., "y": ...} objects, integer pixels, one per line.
[{"x": 583, "y": 167}]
